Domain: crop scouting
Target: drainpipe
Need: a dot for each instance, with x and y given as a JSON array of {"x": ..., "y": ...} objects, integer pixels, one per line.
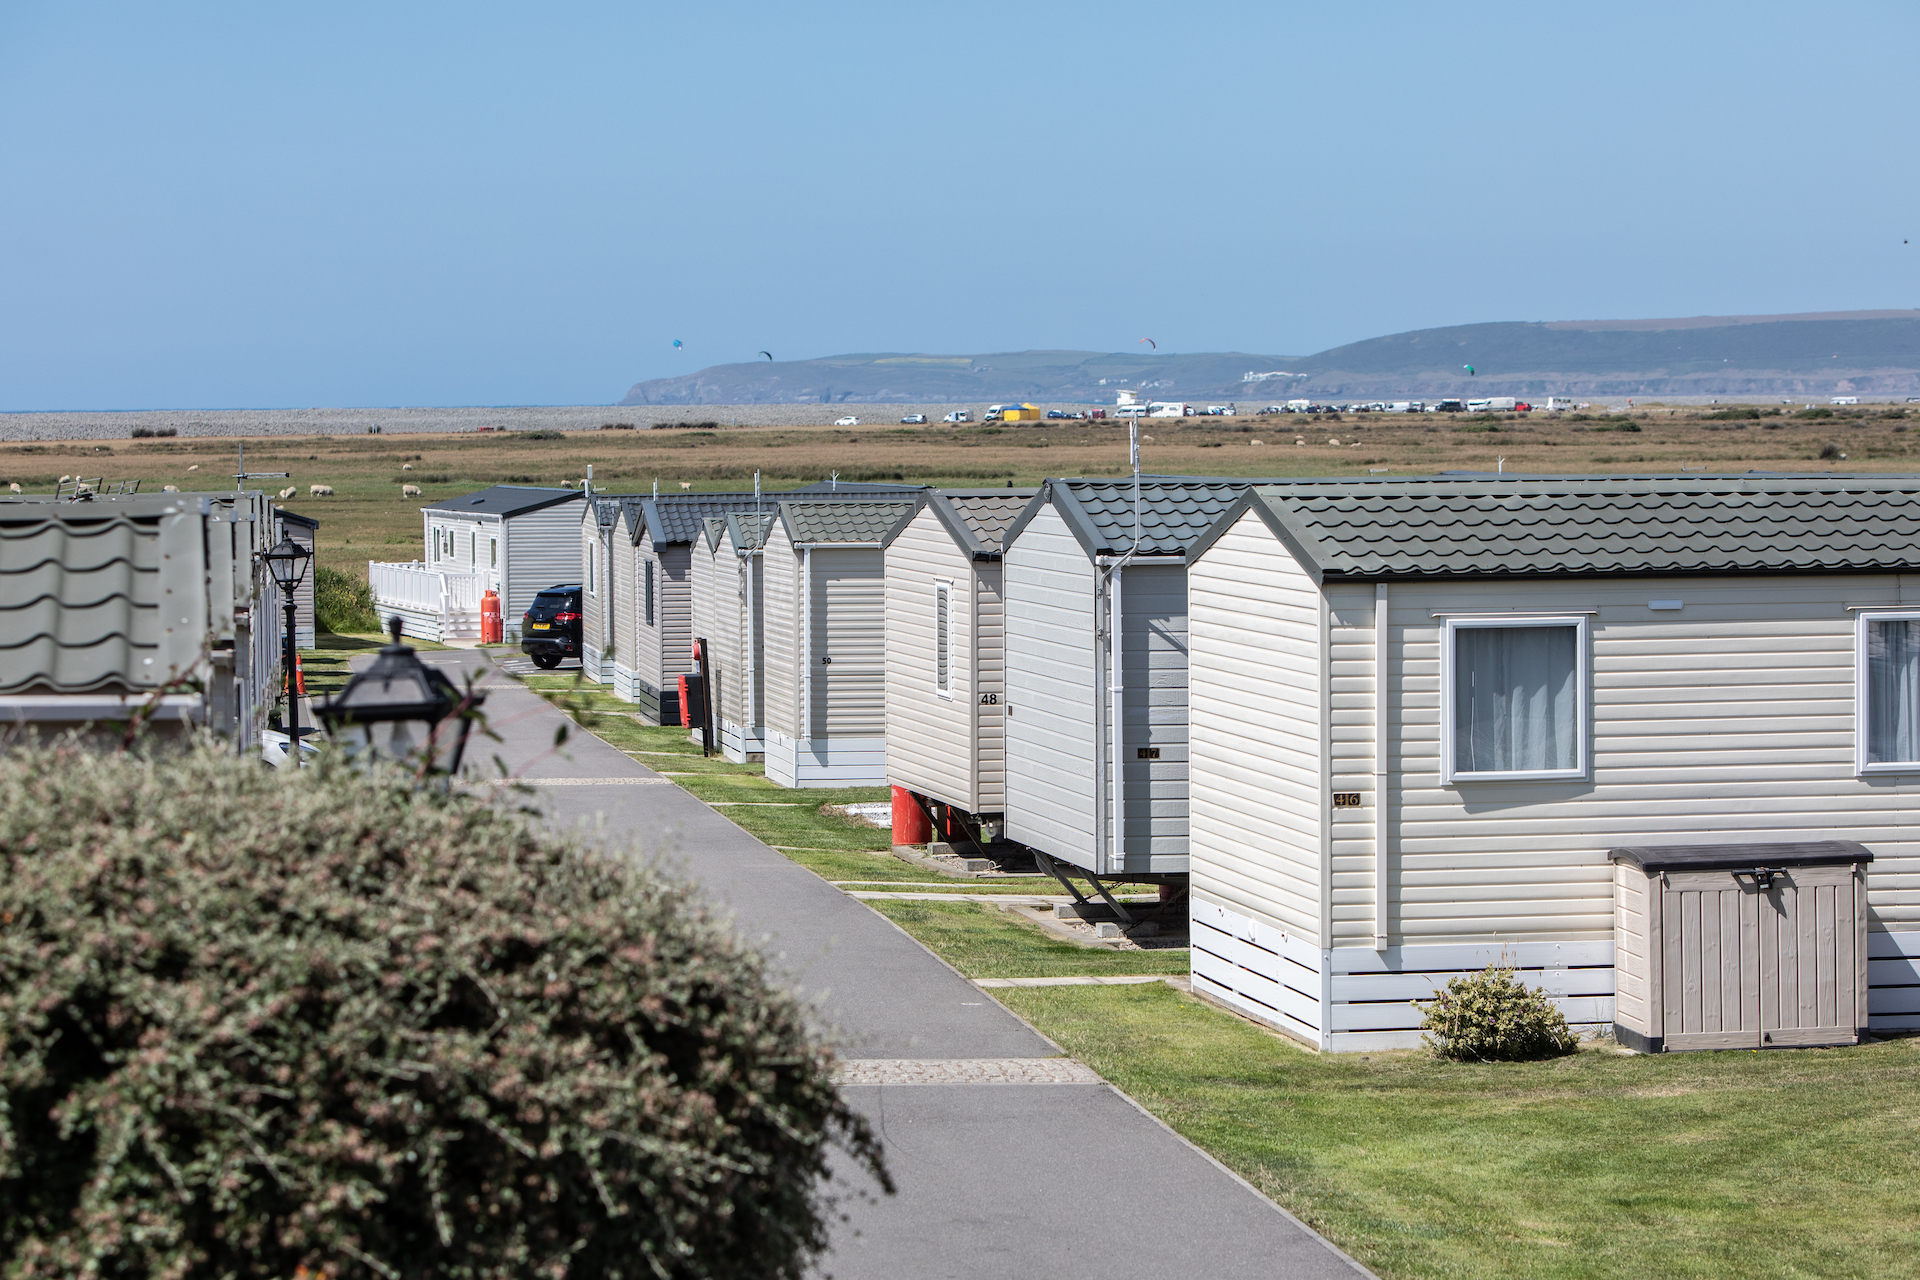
[
  {"x": 1382, "y": 670},
  {"x": 806, "y": 641},
  {"x": 1116, "y": 678}
]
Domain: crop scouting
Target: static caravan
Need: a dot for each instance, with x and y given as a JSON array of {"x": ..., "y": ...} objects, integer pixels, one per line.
[
  {"x": 302, "y": 529},
  {"x": 825, "y": 626},
  {"x": 653, "y": 628},
  {"x": 727, "y": 600},
  {"x": 512, "y": 539},
  {"x": 1444, "y": 723},
  {"x": 155, "y": 603},
  {"x": 606, "y": 576},
  {"x": 944, "y": 653},
  {"x": 1071, "y": 564}
]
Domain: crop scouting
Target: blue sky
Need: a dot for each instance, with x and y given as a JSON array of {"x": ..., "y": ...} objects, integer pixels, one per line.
[{"x": 210, "y": 205}]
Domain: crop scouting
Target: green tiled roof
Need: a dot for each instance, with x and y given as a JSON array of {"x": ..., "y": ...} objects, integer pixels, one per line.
[
  {"x": 1578, "y": 526},
  {"x": 874, "y": 520}
]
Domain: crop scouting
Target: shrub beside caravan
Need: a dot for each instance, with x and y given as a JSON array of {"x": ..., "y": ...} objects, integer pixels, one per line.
[
  {"x": 1110, "y": 802},
  {"x": 1425, "y": 714},
  {"x": 824, "y": 639},
  {"x": 944, "y": 655}
]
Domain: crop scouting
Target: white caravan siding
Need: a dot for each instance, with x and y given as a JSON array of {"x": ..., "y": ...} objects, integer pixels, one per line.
[
  {"x": 1257, "y": 861},
  {"x": 930, "y": 737},
  {"x": 594, "y": 663},
  {"x": 989, "y": 689},
  {"x": 1153, "y": 659},
  {"x": 780, "y": 630},
  {"x": 1052, "y": 701},
  {"x": 623, "y": 595},
  {"x": 849, "y": 643},
  {"x": 538, "y": 550}
]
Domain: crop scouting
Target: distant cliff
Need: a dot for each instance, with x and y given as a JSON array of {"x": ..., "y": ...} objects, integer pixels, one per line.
[{"x": 1874, "y": 353}]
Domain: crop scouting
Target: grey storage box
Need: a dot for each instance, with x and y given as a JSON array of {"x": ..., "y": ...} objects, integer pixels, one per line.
[{"x": 1740, "y": 946}]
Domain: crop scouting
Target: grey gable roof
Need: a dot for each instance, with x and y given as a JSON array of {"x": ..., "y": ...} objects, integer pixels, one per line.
[
  {"x": 747, "y": 531},
  {"x": 1175, "y": 511},
  {"x": 1587, "y": 526},
  {"x": 978, "y": 519},
  {"x": 680, "y": 517},
  {"x": 103, "y": 596},
  {"x": 854, "y": 520},
  {"x": 505, "y": 500}
]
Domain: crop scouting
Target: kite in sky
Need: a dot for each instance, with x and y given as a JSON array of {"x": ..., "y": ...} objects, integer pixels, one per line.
[
  {"x": 767, "y": 354},
  {"x": 676, "y": 344},
  {"x": 1469, "y": 369},
  {"x": 1150, "y": 342}
]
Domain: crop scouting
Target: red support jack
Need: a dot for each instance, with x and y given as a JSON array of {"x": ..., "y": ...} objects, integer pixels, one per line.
[{"x": 910, "y": 825}]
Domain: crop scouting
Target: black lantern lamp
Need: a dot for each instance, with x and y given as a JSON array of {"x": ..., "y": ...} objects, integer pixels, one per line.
[
  {"x": 399, "y": 707},
  {"x": 287, "y": 562}
]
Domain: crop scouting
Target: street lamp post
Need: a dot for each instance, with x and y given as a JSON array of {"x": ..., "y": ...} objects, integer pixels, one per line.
[
  {"x": 287, "y": 562},
  {"x": 399, "y": 706}
]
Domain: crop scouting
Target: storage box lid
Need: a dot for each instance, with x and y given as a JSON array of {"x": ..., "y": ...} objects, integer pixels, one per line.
[{"x": 1739, "y": 857}]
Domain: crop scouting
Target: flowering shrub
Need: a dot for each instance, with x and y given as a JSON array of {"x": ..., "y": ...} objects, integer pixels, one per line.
[
  {"x": 258, "y": 1022},
  {"x": 1494, "y": 1017}
]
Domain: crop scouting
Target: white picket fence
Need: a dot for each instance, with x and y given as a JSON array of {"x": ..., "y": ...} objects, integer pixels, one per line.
[{"x": 433, "y": 604}]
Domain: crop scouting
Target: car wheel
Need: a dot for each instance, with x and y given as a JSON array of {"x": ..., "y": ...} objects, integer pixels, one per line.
[{"x": 546, "y": 661}]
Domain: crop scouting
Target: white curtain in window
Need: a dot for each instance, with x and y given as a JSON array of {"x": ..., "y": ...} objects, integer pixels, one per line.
[
  {"x": 1893, "y": 692},
  {"x": 1514, "y": 700}
]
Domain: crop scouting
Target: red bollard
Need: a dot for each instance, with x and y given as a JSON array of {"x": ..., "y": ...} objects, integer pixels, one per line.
[{"x": 910, "y": 825}]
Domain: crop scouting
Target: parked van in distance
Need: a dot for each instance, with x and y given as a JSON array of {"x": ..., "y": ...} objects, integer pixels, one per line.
[{"x": 958, "y": 415}]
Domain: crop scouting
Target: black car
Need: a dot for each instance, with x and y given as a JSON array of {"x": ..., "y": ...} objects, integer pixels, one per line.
[{"x": 550, "y": 630}]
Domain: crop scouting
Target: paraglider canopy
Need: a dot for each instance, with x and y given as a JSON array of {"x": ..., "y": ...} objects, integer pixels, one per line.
[
  {"x": 1150, "y": 342},
  {"x": 1469, "y": 369},
  {"x": 767, "y": 354}
]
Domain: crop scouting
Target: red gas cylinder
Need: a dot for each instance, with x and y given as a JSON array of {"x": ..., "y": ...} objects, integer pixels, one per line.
[
  {"x": 910, "y": 825},
  {"x": 492, "y": 629}
]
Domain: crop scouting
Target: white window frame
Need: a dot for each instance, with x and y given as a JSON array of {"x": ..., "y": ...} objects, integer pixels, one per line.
[
  {"x": 1583, "y": 701},
  {"x": 943, "y": 613},
  {"x": 1861, "y": 705},
  {"x": 648, "y": 588}
]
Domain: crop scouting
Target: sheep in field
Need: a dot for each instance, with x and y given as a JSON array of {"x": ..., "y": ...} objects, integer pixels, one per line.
[
  {"x": 409, "y": 490},
  {"x": 14, "y": 487},
  {"x": 194, "y": 467},
  {"x": 289, "y": 491},
  {"x": 169, "y": 488},
  {"x": 406, "y": 466},
  {"x": 320, "y": 491}
]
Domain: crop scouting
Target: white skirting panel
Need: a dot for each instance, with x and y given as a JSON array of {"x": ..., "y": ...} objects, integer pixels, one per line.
[
  {"x": 1255, "y": 969},
  {"x": 625, "y": 684},
  {"x": 825, "y": 762},
  {"x": 1893, "y": 981},
  {"x": 739, "y": 743},
  {"x": 593, "y": 665},
  {"x": 1372, "y": 991}
]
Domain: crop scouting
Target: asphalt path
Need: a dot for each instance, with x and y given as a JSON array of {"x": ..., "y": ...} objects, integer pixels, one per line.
[{"x": 994, "y": 1180}]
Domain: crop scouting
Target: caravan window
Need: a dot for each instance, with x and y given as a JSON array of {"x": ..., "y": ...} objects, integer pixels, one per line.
[
  {"x": 493, "y": 553},
  {"x": 942, "y": 639},
  {"x": 590, "y": 577},
  {"x": 1887, "y": 704},
  {"x": 1515, "y": 695},
  {"x": 649, "y": 591}
]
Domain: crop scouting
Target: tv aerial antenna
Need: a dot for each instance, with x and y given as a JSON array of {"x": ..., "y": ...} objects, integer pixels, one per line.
[{"x": 241, "y": 475}]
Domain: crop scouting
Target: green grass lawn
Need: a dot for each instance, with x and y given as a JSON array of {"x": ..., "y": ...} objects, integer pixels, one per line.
[
  {"x": 982, "y": 941},
  {"x": 831, "y": 845},
  {"x": 1602, "y": 1164},
  {"x": 1781, "y": 1163}
]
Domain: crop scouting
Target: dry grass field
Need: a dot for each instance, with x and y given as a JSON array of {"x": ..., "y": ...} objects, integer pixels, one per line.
[{"x": 368, "y": 519}]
